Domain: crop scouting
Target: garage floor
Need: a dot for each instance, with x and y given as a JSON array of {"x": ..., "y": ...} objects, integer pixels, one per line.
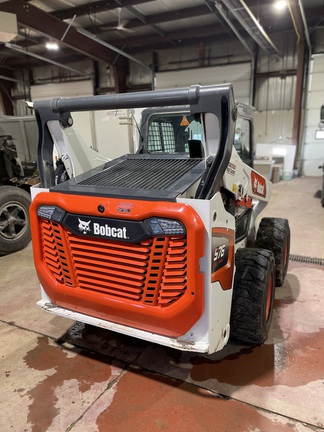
[{"x": 60, "y": 376}]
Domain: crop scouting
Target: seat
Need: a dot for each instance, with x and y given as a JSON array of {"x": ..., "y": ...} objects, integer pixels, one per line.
[{"x": 196, "y": 149}]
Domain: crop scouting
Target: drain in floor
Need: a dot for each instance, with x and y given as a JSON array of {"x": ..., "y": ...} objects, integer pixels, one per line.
[{"x": 307, "y": 260}]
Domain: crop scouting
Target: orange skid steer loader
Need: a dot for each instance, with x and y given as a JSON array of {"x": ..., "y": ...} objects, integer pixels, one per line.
[{"x": 155, "y": 244}]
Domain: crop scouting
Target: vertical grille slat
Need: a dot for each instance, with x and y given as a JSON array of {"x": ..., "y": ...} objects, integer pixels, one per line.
[
  {"x": 174, "y": 281},
  {"x": 49, "y": 251},
  {"x": 153, "y": 272}
]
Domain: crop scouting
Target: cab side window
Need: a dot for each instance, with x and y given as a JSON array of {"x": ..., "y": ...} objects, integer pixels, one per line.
[
  {"x": 242, "y": 137},
  {"x": 169, "y": 133}
]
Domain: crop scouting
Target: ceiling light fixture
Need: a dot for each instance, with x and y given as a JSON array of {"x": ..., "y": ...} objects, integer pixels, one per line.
[
  {"x": 18, "y": 48},
  {"x": 280, "y": 4},
  {"x": 52, "y": 46}
]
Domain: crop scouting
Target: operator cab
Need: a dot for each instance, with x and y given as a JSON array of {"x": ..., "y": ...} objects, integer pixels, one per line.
[{"x": 173, "y": 130}]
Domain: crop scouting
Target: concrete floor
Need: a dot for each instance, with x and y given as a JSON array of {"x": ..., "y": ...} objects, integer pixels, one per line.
[{"x": 59, "y": 376}]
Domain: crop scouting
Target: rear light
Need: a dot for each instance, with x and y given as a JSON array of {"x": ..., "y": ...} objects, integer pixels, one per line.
[
  {"x": 51, "y": 213},
  {"x": 168, "y": 227}
]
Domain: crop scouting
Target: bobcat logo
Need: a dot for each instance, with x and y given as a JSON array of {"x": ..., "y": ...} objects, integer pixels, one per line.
[{"x": 84, "y": 226}]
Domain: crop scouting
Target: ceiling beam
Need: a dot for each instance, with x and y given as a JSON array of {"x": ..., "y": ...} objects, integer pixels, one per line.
[
  {"x": 7, "y": 78},
  {"x": 242, "y": 13},
  {"x": 45, "y": 59},
  {"x": 151, "y": 41},
  {"x": 19, "y": 62},
  {"x": 101, "y": 6},
  {"x": 95, "y": 7},
  {"x": 312, "y": 16},
  {"x": 142, "y": 18},
  {"x": 298, "y": 15},
  {"x": 117, "y": 50},
  {"x": 233, "y": 28},
  {"x": 174, "y": 15},
  {"x": 188, "y": 42},
  {"x": 34, "y": 18}
]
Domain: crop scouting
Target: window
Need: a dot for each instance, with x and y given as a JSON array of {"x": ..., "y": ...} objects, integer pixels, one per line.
[
  {"x": 169, "y": 133},
  {"x": 242, "y": 138}
]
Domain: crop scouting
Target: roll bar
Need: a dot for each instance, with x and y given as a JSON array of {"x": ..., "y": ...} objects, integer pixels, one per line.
[{"x": 217, "y": 99}]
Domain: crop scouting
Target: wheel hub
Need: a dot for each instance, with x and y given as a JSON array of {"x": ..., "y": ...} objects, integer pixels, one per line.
[{"x": 13, "y": 221}]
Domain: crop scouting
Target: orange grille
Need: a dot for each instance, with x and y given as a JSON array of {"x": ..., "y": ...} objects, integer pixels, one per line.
[{"x": 153, "y": 272}]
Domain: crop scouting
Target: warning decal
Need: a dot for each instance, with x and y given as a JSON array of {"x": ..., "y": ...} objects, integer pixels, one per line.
[
  {"x": 184, "y": 121},
  {"x": 231, "y": 168}
]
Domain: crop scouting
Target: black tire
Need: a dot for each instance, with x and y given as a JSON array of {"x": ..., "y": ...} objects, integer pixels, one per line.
[
  {"x": 250, "y": 240},
  {"x": 274, "y": 234},
  {"x": 253, "y": 295},
  {"x": 14, "y": 219}
]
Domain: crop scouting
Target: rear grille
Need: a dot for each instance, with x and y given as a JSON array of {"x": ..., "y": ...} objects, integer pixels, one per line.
[
  {"x": 153, "y": 272},
  {"x": 54, "y": 252}
]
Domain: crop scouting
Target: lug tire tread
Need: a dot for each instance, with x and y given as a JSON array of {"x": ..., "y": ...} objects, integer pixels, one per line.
[{"x": 254, "y": 268}]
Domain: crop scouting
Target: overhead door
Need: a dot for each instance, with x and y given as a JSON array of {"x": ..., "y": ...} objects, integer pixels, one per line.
[{"x": 313, "y": 151}]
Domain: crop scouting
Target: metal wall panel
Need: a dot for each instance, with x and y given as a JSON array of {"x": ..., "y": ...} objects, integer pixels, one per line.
[
  {"x": 237, "y": 74},
  {"x": 66, "y": 89},
  {"x": 313, "y": 150},
  {"x": 273, "y": 126},
  {"x": 275, "y": 93}
]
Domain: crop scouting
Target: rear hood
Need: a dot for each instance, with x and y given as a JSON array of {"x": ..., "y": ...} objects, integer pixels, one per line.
[{"x": 139, "y": 177}]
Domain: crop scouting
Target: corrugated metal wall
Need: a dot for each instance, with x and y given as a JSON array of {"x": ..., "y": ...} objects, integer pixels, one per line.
[
  {"x": 65, "y": 89},
  {"x": 313, "y": 150},
  {"x": 275, "y": 93},
  {"x": 237, "y": 74}
]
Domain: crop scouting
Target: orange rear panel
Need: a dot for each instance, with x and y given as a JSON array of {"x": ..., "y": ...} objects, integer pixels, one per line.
[{"x": 154, "y": 285}]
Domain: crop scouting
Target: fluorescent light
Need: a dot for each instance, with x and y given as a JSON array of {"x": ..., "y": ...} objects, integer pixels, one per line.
[
  {"x": 280, "y": 4},
  {"x": 21, "y": 50},
  {"x": 52, "y": 46}
]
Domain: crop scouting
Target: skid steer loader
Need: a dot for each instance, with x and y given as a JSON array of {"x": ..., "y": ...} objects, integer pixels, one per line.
[{"x": 154, "y": 244}]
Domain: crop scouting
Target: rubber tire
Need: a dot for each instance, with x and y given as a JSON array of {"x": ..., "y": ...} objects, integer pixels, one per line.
[
  {"x": 253, "y": 295},
  {"x": 14, "y": 198},
  {"x": 274, "y": 234}
]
